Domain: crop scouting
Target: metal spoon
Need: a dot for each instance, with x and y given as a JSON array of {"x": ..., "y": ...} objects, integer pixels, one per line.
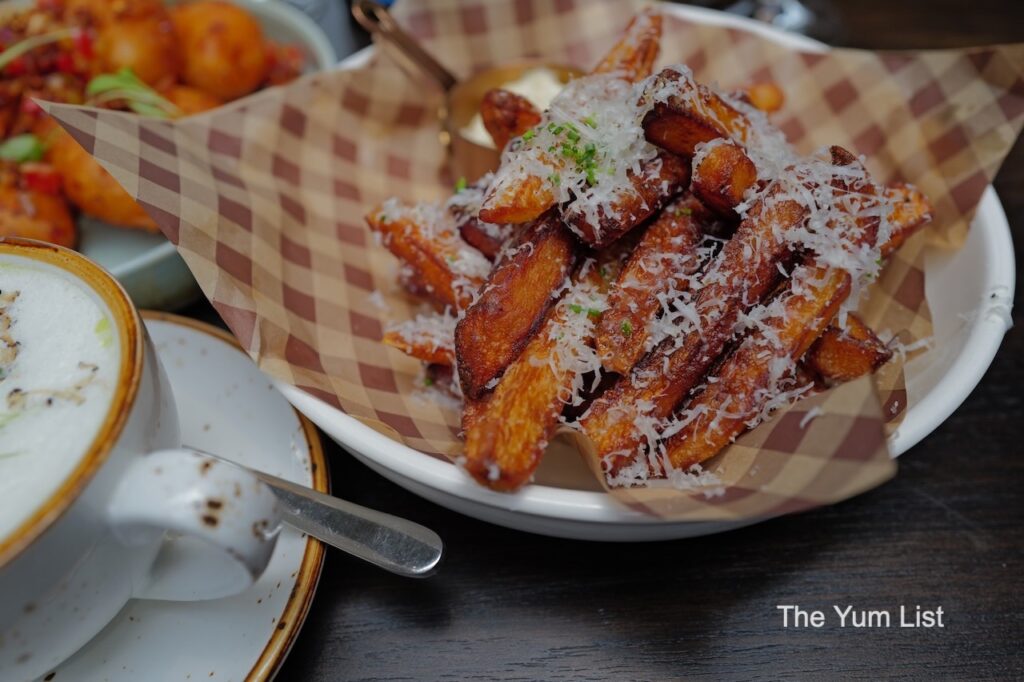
[{"x": 392, "y": 543}]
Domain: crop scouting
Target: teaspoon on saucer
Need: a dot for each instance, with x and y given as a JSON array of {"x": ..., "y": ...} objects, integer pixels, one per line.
[{"x": 397, "y": 545}]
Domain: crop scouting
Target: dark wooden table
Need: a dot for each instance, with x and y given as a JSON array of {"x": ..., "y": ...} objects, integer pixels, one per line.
[{"x": 948, "y": 531}]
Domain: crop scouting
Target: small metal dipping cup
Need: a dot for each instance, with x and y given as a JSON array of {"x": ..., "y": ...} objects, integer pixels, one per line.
[{"x": 462, "y": 98}]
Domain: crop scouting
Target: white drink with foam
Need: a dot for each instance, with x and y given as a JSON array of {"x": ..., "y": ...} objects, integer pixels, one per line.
[{"x": 59, "y": 364}]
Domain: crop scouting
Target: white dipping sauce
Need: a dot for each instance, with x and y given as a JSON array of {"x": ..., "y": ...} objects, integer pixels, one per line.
[
  {"x": 537, "y": 85},
  {"x": 57, "y": 385}
]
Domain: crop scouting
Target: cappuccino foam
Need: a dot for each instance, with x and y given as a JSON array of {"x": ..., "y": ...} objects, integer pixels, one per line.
[{"x": 59, "y": 364}]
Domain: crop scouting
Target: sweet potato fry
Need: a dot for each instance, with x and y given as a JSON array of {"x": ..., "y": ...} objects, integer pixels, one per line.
[
  {"x": 846, "y": 353},
  {"x": 740, "y": 276},
  {"x": 657, "y": 183},
  {"x": 517, "y": 201},
  {"x": 507, "y": 115},
  {"x": 484, "y": 237},
  {"x": 633, "y": 56},
  {"x": 464, "y": 206},
  {"x": 425, "y": 240},
  {"x": 662, "y": 260},
  {"x": 512, "y": 303},
  {"x": 692, "y": 114},
  {"x": 911, "y": 211},
  {"x": 725, "y": 408},
  {"x": 426, "y": 337},
  {"x": 722, "y": 174},
  {"x": 518, "y": 198},
  {"x": 766, "y": 96},
  {"x": 508, "y": 430}
]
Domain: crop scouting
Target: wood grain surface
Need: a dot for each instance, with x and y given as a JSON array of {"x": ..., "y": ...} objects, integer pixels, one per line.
[{"x": 946, "y": 532}]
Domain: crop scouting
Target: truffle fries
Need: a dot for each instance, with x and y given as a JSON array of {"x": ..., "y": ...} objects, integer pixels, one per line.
[
  {"x": 615, "y": 302},
  {"x": 464, "y": 207},
  {"x": 512, "y": 303},
  {"x": 425, "y": 240},
  {"x": 530, "y": 184},
  {"x": 722, "y": 175},
  {"x": 748, "y": 380},
  {"x": 508, "y": 430},
  {"x": 740, "y": 276},
  {"x": 666, "y": 255},
  {"x": 844, "y": 353},
  {"x": 686, "y": 113},
  {"x": 506, "y": 115}
]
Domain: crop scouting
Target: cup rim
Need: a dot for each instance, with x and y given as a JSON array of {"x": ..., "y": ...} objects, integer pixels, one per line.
[{"x": 129, "y": 377}]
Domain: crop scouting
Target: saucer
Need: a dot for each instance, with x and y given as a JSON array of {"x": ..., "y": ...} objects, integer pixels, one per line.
[{"x": 228, "y": 407}]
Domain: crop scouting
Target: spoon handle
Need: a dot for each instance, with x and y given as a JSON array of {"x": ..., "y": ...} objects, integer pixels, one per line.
[{"x": 392, "y": 543}]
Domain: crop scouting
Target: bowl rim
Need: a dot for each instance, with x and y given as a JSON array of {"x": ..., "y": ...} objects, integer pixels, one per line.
[{"x": 592, "y": 507}]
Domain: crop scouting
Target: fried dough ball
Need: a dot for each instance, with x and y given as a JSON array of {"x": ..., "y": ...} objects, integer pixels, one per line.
[
  {"x": 222, "y": 48},
  {"x": 102, "y": 12},
  {"x": 148, "y": 46},
  {"x": 92, "y": 189},
  {"x": 36, "y": 215},
  {"x": 190, "y": 100}
]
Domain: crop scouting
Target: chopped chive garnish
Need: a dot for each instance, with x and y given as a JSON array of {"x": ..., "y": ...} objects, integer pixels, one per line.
[
  {"x": 555, "y": 178},
  {"x": 589, "y": 120},
  {"x": 627, "y": 328},
  {"x": 576, "y": 308},
  {"x": 460, "y": 184},
  {"x": 529, "y": 135},
  {"x": 593, "y": 312},
  {"x": 22, "y": 148}
]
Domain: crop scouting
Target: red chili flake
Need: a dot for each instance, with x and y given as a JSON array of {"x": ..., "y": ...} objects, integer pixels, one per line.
[
  {"x": 83, "y": 43},
  {"x": 40, "y": 177},
  {"x": 17, "y": 67},
  {"x": 65, "y": 63}
]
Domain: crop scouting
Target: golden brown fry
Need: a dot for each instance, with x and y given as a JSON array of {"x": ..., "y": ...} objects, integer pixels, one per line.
[
  {"x": 767, "y": 96},
  {"x": 634, "y": 55},
  {"x": 431, "y": 251},
  {"x": 742, "y": 274},
  {"x": 722, "y": 174},
  {"x": 512, "y": 303},
  {"x": 487, "y": 242},
  {"x": 506, "y": 115},
  {"x": 420, "y": 348},
  {"x": 526, "y": 199},
  {"x": 658, "y": 182},
  {"x": 844, "y": 354},
  {"x": 666, "y": 374},
  {"x": 692, "y": 115},
  {"x": 911, "y": 211},
  {"x": 663, "y": 259},
  {"x": 464, "y": 207},
  {"x": 508, "y": 430},
  {"x": 724, "y": 408}
]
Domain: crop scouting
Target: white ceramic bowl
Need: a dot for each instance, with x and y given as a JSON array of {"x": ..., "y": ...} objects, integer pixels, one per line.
[{"x": 970, "y": 292}]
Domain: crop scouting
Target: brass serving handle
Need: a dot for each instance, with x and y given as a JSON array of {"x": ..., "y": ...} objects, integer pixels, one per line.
[{"x": 410, "y": 55}]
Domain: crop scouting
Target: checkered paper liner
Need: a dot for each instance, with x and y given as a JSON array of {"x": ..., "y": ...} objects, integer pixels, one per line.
[{"x": 264, "y": 199}]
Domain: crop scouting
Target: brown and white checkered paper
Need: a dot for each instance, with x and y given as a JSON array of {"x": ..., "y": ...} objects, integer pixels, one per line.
[{"x": 264, "y": 199}]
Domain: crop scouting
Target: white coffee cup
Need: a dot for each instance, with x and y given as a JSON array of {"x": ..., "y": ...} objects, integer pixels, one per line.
[{"x": 138, "y": 516}]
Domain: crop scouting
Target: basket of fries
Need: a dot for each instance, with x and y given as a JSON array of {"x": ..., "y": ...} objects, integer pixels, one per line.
[{"x": 708, "y": 292}]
